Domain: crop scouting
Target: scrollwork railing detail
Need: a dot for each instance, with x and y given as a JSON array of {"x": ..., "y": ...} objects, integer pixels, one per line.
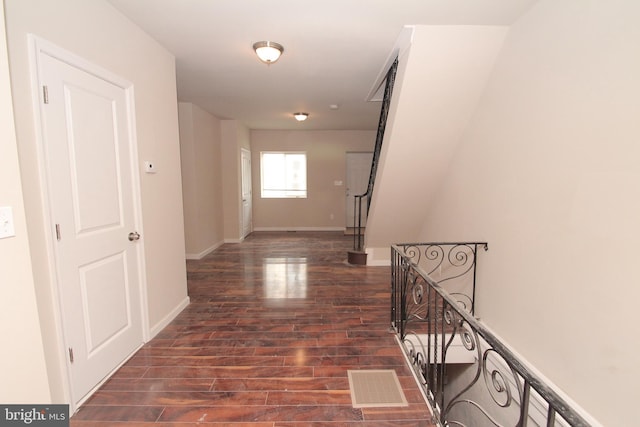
[
  {"x": 448, "y": 262},
  {"x": 435, "y": 325}
]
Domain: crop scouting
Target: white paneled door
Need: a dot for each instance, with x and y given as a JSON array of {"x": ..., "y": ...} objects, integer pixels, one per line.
[{"x": 86, "y": 126}]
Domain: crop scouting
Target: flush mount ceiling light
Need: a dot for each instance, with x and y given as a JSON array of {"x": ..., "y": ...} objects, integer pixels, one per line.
[
  {"x": 268, "y": 52},
  {"x": 301, "y": 117}
]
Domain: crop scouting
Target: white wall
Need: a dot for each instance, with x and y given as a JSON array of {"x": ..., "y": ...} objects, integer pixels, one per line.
[
  {"x": 23, "y": 372},
  {"x": 548, "y": 173},
  {"x": 439, "y": 82},
  {"x": 94, "y": 30},
  {"x": 201, "y": 159}
]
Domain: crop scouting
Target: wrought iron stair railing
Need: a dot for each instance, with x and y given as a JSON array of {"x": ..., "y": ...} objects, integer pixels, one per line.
[
  {"x": 366, "y": 196},
  {"x": 432, "y": 305}
]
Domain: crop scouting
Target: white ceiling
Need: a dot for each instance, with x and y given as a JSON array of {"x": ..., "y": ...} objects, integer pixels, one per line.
[{"x": 333, "y": 52}]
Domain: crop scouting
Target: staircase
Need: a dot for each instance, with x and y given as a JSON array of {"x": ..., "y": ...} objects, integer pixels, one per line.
[{"x": 357, "y": 256}]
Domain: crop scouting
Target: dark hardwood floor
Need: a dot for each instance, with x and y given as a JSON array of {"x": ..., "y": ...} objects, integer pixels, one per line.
[{"x": 273, "y": 326}]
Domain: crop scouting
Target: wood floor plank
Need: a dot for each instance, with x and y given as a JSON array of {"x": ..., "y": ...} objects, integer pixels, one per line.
[
  {"x": 274, "y": 324},
  {"x": 177, "y": 398},
  {"x": 261, "y": 413},
  {"x": 280, "y": 384},
  {"x": 151, "y": 384}
]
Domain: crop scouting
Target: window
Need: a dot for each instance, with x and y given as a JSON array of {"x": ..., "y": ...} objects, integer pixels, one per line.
[{"x": 283, "y": 175}]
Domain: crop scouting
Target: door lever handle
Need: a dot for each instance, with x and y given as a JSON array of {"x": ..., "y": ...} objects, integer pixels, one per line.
[{"x": 133, "y": 236}]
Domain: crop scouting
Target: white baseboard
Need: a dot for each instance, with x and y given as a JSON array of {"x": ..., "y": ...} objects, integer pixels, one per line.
[
  {"x": 299, "y": 229},
  {"x": 168, "y": 318},
  {"x": 233, "y": 240},
  {"x": 378, "y": 257},
  {"x": 205, "y": 252},
  {"x": 379, "y": 263}
]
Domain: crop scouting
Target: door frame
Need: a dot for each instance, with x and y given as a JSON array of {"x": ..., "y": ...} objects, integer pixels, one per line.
[
  {"x": 37, "y": 48},
  {"x": 245, "y": 152}
]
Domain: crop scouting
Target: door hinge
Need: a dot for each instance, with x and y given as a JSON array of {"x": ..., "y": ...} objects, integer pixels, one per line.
[
  {"x": 45, "y": 94},
  {"x": 58, "y": 235},
  {"x": 70, "y": 355}
]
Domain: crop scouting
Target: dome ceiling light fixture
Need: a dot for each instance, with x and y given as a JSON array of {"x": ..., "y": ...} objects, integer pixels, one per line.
[
  {"x": 301, "y": 117},
  {"x": 268, "y": 52}
]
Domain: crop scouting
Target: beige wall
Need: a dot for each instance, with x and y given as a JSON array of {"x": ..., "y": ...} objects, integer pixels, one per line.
[
  {"x": 549, "y": 174},
  {"x": 201, "y": 159},
  {"x": 23, "y": 374},
  {"x": 324, "y": 207},
  {"x": 438, "y": 85},
  {"x": 94, "y": 30},
  {"x": 235, "y": 137}
]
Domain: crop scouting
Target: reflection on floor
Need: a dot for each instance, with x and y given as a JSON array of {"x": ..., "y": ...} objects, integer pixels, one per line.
[
  {"x": 285, "y": 277},
  {"x": 274, "y": 325}
]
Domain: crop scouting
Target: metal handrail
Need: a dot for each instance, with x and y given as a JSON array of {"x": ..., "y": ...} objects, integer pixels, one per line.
[
  {"x": 382, "y": 123},
  {"x": 443, "y": 319},
  {"x": 357, "y": 219}
]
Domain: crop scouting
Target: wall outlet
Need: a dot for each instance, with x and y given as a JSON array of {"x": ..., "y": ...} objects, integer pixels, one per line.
[{"x": 7, "y": 228}]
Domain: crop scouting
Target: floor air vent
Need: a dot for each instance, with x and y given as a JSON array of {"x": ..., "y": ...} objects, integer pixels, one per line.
[{"x": 375, "y": 389}]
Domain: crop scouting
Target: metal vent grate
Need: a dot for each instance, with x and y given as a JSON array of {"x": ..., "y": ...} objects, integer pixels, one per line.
[{"x": 375, "y": 389}]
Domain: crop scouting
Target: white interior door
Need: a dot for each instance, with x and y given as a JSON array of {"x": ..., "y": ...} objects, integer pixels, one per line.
[
  {"x": 246, "y": 193},
  {"x": 88, "y": 149},
  {"x": 358, "y": 170}
]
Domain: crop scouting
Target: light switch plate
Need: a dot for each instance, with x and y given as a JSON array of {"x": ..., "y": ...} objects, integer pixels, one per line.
[{"x": 7, "y": 228}]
